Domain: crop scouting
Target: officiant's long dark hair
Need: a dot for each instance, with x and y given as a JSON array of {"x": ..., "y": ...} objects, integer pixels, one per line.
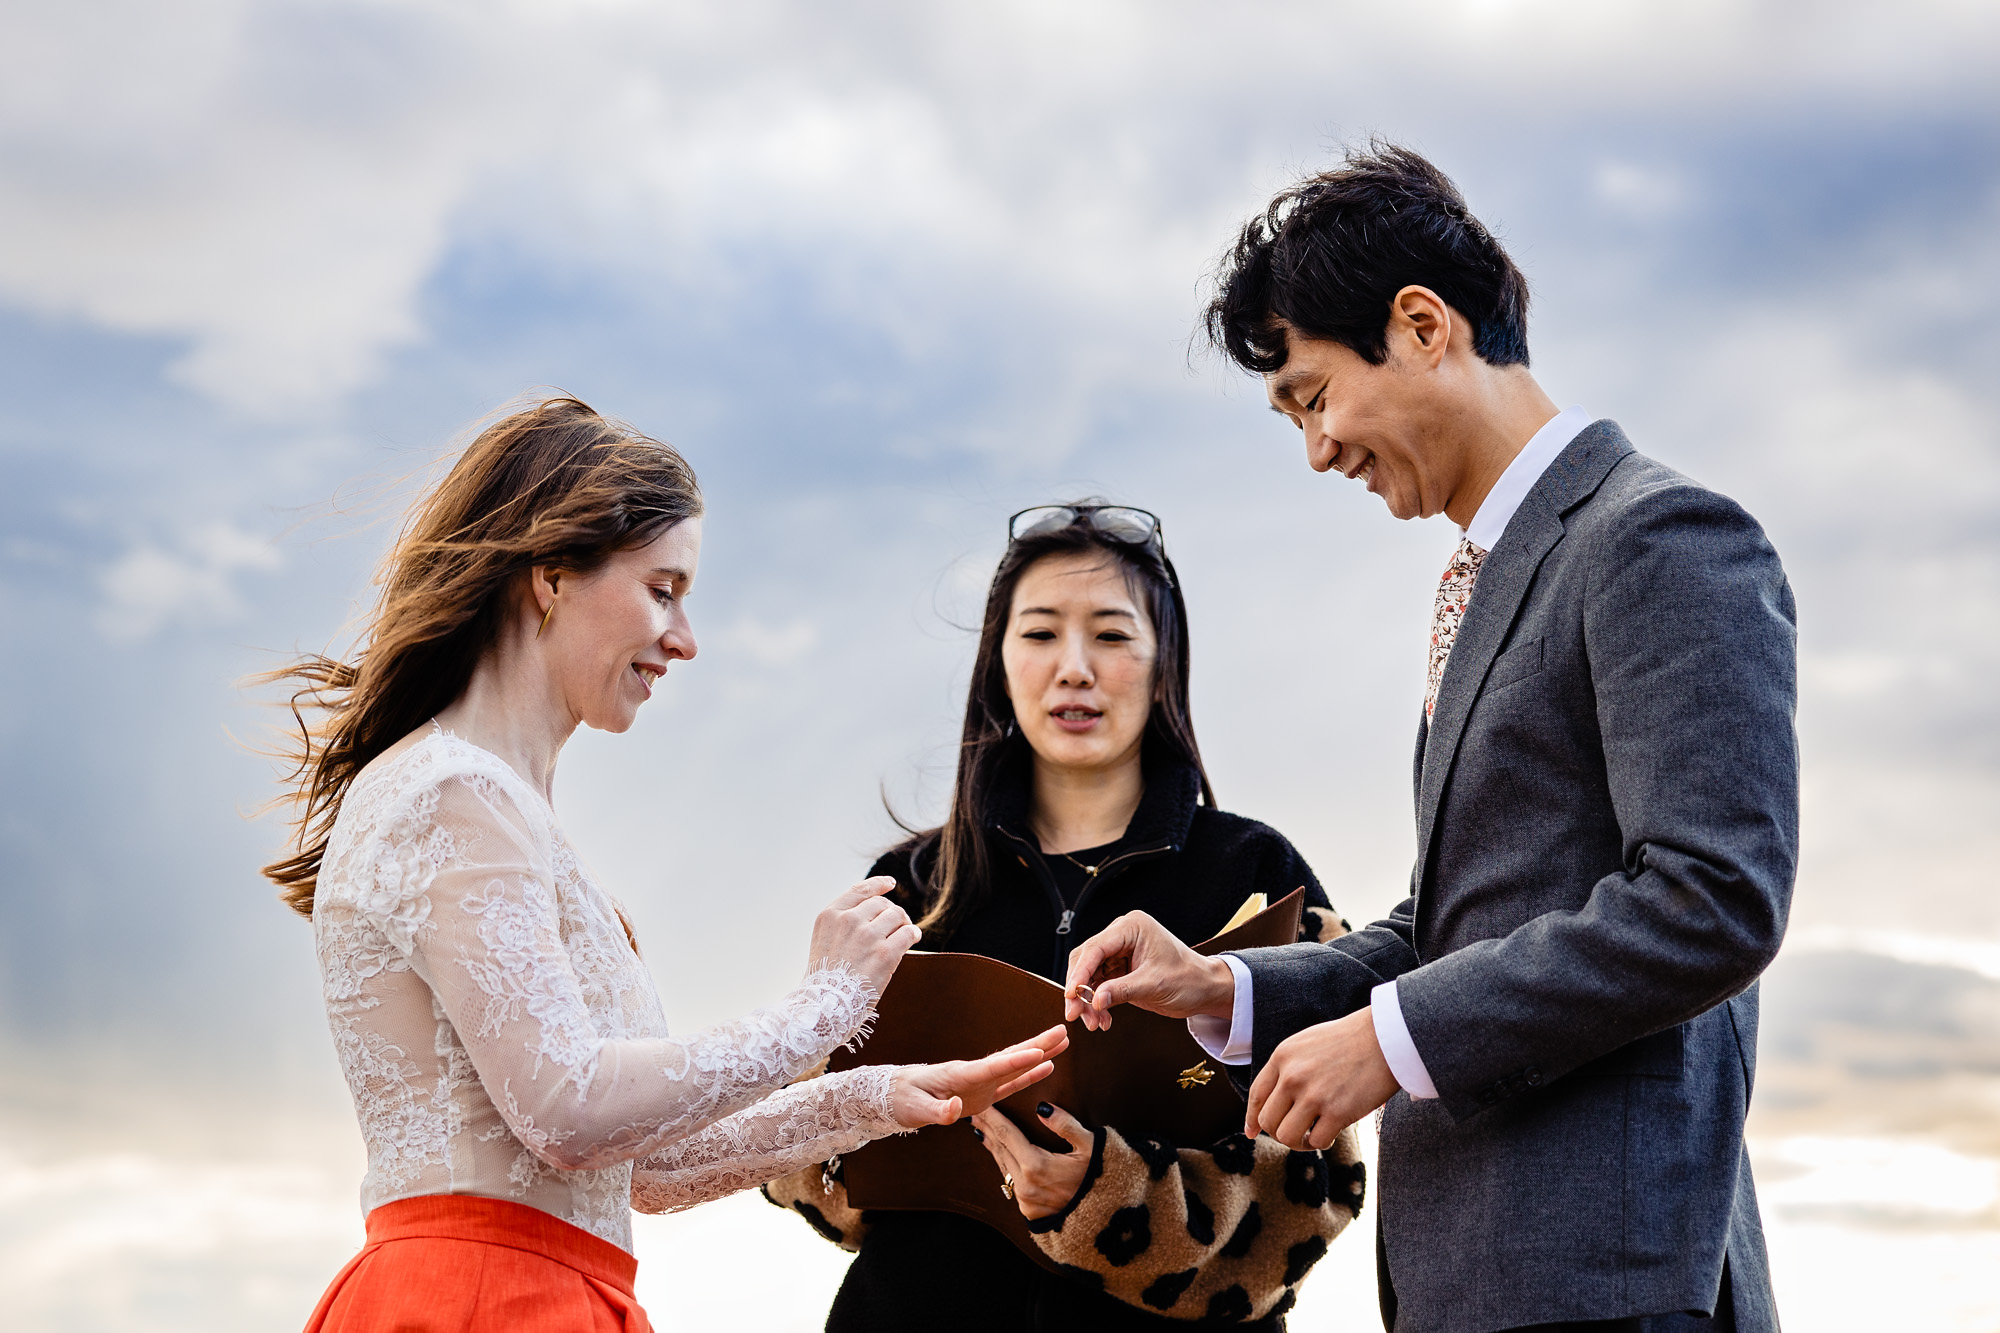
[{"x": 962, "y": 873}]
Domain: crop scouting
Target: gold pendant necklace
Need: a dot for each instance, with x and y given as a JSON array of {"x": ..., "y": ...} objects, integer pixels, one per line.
[{"x": 1090, "y": 871}]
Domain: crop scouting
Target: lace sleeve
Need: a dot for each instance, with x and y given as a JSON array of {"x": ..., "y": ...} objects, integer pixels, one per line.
[
  {"x": 473, "y": 892},
  {"x": 807, "y": 1122}
]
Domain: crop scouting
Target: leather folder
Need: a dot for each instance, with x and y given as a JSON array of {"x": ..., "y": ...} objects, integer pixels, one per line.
[{"x": 1146, "y": 1075}]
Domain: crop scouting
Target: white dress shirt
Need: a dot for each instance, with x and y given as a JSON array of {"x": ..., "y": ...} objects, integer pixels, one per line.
[{"x": 1228, "y": 1041}]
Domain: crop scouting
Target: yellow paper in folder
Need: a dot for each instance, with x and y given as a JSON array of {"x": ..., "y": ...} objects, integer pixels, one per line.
[{"x": 1252, "y": 905}]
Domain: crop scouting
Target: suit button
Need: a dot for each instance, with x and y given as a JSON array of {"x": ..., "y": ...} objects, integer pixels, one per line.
[{"x": 1533, "y": 1077}]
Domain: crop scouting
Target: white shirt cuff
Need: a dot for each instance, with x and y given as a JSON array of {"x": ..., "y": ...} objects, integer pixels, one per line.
[
  {"x": 1393, "y": 1036},
  {"x": 1227, "y": 1041}
]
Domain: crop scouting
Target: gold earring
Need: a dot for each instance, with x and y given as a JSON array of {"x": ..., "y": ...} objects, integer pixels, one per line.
[{"x": 554, "y": 591}]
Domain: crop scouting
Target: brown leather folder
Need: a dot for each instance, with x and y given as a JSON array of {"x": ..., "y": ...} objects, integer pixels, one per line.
[{"x": 1146, "y": 1075}]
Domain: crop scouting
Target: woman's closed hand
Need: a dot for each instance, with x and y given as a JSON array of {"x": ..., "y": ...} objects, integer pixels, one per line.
[
  {"x": 1044, "y": 1182},
  {"x": 941, "y": 1093},
  {"x": 866, "y": 931}
]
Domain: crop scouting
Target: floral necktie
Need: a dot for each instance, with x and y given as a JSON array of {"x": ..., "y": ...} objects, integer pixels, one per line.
[{"x": 1454, "y": 595}]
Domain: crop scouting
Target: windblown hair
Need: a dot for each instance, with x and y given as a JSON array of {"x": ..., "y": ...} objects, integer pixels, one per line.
[
  {"x": 1330, "y": 253},
  {"x": 555, "y": 484},
  {"x": 962, "y": 874}
]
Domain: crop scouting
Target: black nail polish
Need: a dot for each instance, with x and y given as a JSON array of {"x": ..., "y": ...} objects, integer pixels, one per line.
[
  {"x": 977, "y": 1135},
  {"x": 1044, "y": 1110}
]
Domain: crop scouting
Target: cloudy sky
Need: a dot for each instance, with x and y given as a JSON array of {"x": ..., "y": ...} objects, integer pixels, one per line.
[{"x": 886, "y": 272}]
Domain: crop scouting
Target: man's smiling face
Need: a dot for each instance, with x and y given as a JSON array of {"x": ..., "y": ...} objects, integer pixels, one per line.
[{"x": 1372, "y": 424}]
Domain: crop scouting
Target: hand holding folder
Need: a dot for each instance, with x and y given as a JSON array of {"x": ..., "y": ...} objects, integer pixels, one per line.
[{"x": 1145, "y": 1076}]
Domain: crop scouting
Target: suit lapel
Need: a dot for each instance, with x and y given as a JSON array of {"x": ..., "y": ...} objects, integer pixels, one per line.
[{"x": 1503, "y": 582}]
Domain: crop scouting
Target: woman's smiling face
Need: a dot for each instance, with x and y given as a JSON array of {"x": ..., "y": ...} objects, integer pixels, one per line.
[
  {"x": 1079, "y": 654},
  {"x": 613, "y": 631}
]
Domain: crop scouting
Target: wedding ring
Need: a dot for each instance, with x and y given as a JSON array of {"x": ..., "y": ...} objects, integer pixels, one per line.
[{"x": 1007, "y": 1186}]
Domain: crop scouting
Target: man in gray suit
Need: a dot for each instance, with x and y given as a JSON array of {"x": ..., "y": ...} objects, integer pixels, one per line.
[{"x": 1562, "y": 1015}]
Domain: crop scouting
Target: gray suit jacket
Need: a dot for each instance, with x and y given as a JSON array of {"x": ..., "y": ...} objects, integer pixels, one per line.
[{"x": 1607, "y": 829}]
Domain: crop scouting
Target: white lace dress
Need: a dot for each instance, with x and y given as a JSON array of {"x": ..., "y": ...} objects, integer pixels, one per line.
[{"x": 501, "y": 1038}]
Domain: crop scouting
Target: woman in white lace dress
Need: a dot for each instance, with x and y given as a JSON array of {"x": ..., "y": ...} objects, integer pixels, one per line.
[{"x": 510, "y": 1065}]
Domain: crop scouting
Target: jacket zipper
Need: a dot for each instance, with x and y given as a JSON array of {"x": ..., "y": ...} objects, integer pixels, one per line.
[
  {"x": 1090, "y": 887},
  {"x": 1067, "y": 915}
]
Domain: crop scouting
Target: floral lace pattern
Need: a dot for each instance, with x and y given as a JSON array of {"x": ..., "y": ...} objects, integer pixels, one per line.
[
  {"x": 806, "y": 1123},
  {"x": 1454, "y": 595},
  {"x": 501, "y": 1038}
]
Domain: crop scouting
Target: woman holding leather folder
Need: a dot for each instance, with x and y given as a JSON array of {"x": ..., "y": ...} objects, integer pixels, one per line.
[
  {"x": 1081, "y": 795},
  {"x": 517, "y": 1087}
]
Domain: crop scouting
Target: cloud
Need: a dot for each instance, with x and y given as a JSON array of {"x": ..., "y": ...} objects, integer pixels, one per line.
[
  {"x": 1887, "y": 1175},
  {"x": 273, "y": 186},
  {"x": 772, "y": 645},
  {"x": 1981, "y": 957},
  {"x": 136, "y": 1240},
  {"x": 1643, "y": 192},
  {"x": 191, "y": 580}
]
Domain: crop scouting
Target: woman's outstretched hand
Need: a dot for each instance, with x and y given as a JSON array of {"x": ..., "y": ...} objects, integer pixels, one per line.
[
  {"x": 866, "y": 931},
  {"x": 1044, "y": 1182},
  {"x": 939, "y": 1094}
]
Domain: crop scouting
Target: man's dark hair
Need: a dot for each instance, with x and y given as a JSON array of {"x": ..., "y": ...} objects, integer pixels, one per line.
[{"x": 1331, "y": 252}]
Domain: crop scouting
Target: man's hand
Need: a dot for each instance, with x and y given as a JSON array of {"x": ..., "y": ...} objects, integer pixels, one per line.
[
  {"x": 1319, "y": 1081},
  {"x": 1136, "y": 960}
]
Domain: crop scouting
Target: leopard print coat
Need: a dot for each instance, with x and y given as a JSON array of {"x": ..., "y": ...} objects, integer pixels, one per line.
[{"x": 1224, "y": 1233}]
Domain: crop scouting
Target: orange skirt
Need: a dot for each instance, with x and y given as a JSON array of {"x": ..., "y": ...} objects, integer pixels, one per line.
[{"x": 453, "y": 1262}]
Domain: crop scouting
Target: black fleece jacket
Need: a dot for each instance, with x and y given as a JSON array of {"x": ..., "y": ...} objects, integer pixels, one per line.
[{"x": 1189, "y": 867}]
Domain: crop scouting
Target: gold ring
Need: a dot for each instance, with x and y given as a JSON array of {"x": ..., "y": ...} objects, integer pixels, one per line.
[{"x": 1007, "y": 1186}]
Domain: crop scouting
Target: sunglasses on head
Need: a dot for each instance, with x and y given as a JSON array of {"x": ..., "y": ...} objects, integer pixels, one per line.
[{"x": 1120, "y": 523}]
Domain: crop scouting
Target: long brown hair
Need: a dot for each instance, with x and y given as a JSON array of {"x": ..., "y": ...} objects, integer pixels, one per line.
[
  {"x": 553, "y": 484},
  {"x": 962, "y": 874}
]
